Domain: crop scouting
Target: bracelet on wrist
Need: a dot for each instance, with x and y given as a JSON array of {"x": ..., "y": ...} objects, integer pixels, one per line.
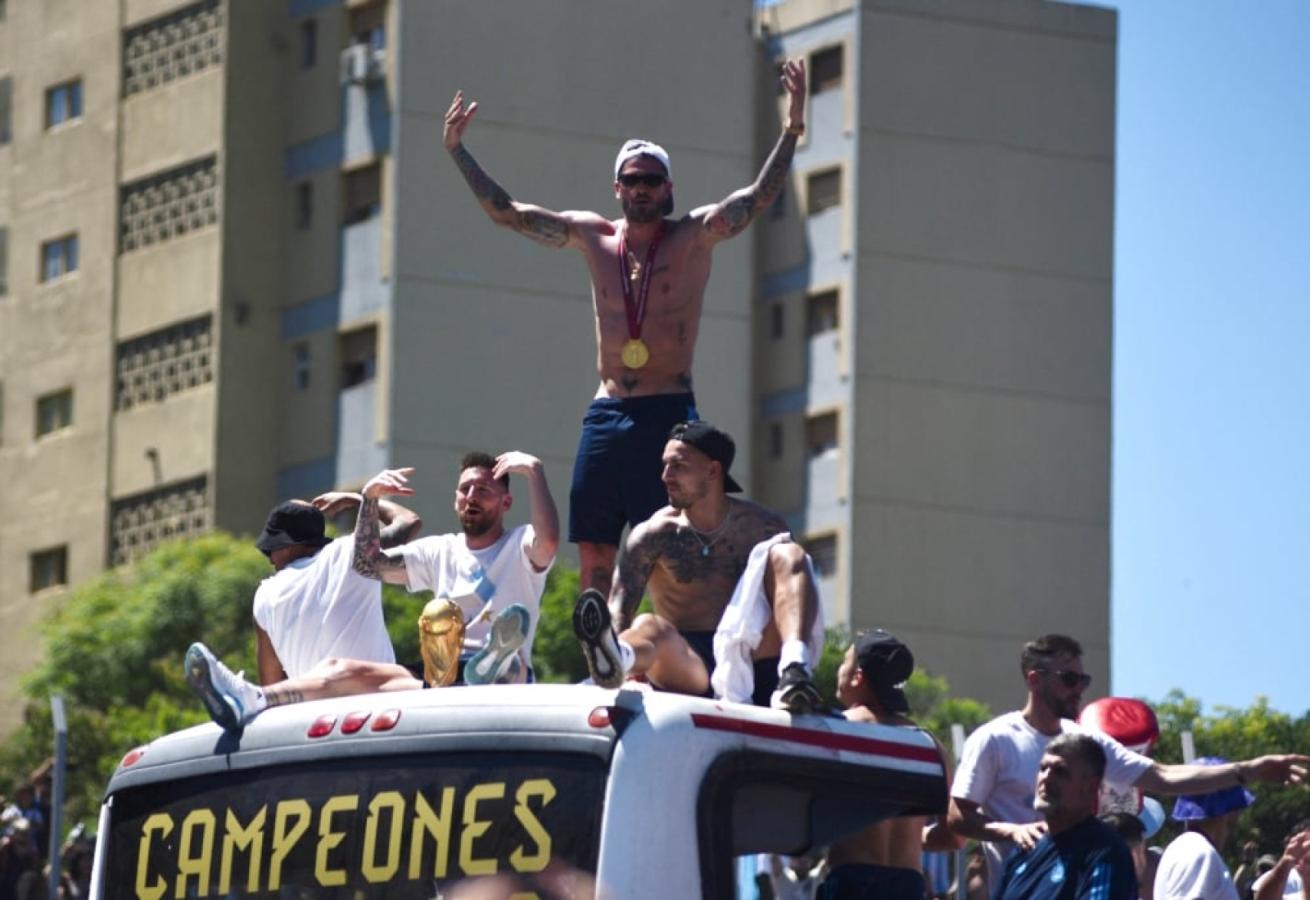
[{"x": 795, "y": 129}]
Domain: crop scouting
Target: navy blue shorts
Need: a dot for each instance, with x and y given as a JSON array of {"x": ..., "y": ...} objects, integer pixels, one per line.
[
  {"x": 854, "y": 881},
  {"x": 766, "y": 670},
  {"x": 616, "y": 476}
]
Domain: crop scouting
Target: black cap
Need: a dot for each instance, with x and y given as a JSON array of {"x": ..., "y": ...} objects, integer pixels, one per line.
[
  {"x": 715, "y": 444},
  {"x": 291, "y": 523},
  {"x": 886, "y": 664}
]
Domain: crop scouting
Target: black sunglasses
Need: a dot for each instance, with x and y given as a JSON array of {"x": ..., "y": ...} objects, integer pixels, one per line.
[
  {"x": 1069, "y": 679},
  {"x": 632, "y": 179}
]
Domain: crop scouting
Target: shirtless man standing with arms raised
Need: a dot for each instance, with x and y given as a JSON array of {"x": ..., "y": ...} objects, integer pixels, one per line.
[
  {"x": 886, "y": 859},
  {"x": 648, "y": 276},
  {"x": 690, "y": 556}
]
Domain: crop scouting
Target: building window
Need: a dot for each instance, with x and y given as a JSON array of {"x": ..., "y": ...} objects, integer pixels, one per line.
[
  {"x": 54, "y": 412},
  {"x": 308, "y": 43},
  {"x": 777, "y": 320},
  {"x": 155, "y": 366},
  {"x": 363, "y": 194},
  {"x": 63, "y": 103},
  {"x": 368, "y": 25},
  {"x": 140, "y": 523},
  {"x": 303, "y": 360},
  {"x": 4, "y": 260},
  {"x": 823, "y": 553},
  {"x": 185, "y": 41},
  {"x": 775, "y": 440},
  {"x": 47, "y": 569},
  {"x": 821, "y": 435},
  {"x": 826, "y": 70},
  {"x": 6, "y": 109},
  {"x": 58, "y": 257},
  {"x": 168, "y": 204},
  {"x": 821, "y": 313},
  {"x": 359, "y": 356},
  {"x": 304, "y": 204},
  {"x": 823, "y": 190}
]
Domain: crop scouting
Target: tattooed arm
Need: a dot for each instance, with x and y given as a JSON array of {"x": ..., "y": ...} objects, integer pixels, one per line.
[
  {"x": 730, "y": 217},
  {"x": 370, "y": 559},
  {"x": 635, "y": 565},
  {"x": 399, "y": 525},
  {"x": 554, "y": 229}
]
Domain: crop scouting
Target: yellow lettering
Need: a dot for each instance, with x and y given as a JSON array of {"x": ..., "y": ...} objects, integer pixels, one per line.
[
  {"x": 328, "y": 839},
  {"x": 474, "y": 829},
  {"x": 249, "y": 839},
  {"x": 426, "y": 822},
  {"x": 533, "y": 862},
  {"x": 163, "y": 823},
  {"x": 374, "y": 873},
  {"x": 285, "y": 836},
  {"x": 201, "y": 820}
]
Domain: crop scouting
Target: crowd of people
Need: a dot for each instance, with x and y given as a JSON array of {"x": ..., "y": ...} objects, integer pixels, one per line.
[
  {"x": 735, "y": 606},
  {"x": 25, "y": 850}
]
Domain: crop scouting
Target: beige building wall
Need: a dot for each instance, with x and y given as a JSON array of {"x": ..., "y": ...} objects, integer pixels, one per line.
[
  {"x": 494, "y": 341},
  {"x": 58, "y": 181},
  {"x": 982, "y": 399}
]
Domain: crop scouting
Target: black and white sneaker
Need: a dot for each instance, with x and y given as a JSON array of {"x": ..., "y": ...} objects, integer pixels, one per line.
[
  {"x": 796, "y": 692},
  {"x": 595, "y": 632}
]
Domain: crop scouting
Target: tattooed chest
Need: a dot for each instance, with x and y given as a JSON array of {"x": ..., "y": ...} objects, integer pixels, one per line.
[{"x": 690, "y": 558}]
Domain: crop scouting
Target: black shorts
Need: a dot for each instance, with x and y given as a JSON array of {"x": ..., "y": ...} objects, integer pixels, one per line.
[
  {"x": 766, "y": 670},
  {"x": 854, "y": 881},
  {"x": 616, "y": 475}
]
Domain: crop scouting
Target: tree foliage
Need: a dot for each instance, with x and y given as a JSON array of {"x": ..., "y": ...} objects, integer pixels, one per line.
[{"x": 1239, "y": 734}]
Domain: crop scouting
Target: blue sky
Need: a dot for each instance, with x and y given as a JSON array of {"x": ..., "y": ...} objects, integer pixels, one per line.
[{"x": 1211, "y": 376}]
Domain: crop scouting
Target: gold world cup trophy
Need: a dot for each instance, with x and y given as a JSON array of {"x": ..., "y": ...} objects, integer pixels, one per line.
[{"x": 440, "y": 640}]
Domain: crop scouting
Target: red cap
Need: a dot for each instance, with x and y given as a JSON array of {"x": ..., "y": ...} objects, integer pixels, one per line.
[{"x": 1130, "y": 722}]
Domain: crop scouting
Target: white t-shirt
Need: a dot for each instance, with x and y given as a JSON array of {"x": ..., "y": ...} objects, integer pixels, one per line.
[
  {"x": 1291, "y": 890},
  {"x": 1191, "y": 868},
  {"x": 501, "y": 573},
  {"x": 319, "y": 606},
  {"x": 998, "y": 771}
]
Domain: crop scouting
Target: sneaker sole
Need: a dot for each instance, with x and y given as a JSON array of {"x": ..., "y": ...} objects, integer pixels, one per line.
[
  {"x": 594, "y": 629},
  {"x": 222, "y": 709},
  {"x": 508, "y": 633},
  {"x": 800, "y": 700}
]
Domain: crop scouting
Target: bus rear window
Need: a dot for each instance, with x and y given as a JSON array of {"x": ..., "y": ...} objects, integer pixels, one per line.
[{"x": 370, "y": 827}]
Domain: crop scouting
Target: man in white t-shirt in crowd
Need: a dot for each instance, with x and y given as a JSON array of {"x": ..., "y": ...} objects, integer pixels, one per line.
[
  {"x": 484, "y": 567},
  {"x": 315, "y": 605},
  {"x": 992, "y": 795},
  {"x": 1192, "y": 865},
  {"x": 1289, "y": 879}
]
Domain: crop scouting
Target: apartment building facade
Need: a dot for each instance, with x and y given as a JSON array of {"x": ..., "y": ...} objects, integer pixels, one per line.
[{"x": 236, "y": 265}]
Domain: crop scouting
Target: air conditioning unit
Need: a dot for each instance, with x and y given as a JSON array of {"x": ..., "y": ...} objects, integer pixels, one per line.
[{"x": 362, "y": 64}]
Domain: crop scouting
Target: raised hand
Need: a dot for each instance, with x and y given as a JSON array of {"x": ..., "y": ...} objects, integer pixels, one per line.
[
  {"x": 332, "y": 503},
  {"x": 793, "y": 81},
  {"x": 457, "y": 120},
  {"x": 388, "y": 481},
  {"x": 515, "y": 462}
]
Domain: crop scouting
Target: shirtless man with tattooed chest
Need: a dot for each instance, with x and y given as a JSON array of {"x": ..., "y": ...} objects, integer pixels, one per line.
[
  {"x": 648, "y": 276},
  {"x": 689, "y": 558}
]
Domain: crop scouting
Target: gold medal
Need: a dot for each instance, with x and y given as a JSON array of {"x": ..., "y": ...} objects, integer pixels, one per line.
[{"x": 635, "y": 353}]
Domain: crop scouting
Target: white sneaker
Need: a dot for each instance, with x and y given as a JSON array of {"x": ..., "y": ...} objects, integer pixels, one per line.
[{"x": 231, "y": 700}]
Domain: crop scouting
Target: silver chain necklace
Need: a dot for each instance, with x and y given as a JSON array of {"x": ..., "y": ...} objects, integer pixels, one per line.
[{"x": 713, "y": 536}]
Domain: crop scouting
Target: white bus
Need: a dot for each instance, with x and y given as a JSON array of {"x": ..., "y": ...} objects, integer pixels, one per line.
[{"x": 403, "y": 795}]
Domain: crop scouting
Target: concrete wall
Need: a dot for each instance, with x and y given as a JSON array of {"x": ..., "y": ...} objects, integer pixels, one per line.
[
  {"x": 493, "y": 339},
  {"x": 52, "y": 334},
  {"x": 985, "y": 307}
]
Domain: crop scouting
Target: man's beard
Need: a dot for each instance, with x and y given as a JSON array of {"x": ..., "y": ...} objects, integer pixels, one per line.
[
  {"x": 686, "y": 499},
  {"x": 476, "y": 527},
  {"x": 649, "y": 212}
]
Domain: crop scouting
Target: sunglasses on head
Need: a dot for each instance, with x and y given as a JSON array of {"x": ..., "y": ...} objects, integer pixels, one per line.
[
  {"x": 1069, "y": 679},
  {"x": 645, "y": 179}
]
